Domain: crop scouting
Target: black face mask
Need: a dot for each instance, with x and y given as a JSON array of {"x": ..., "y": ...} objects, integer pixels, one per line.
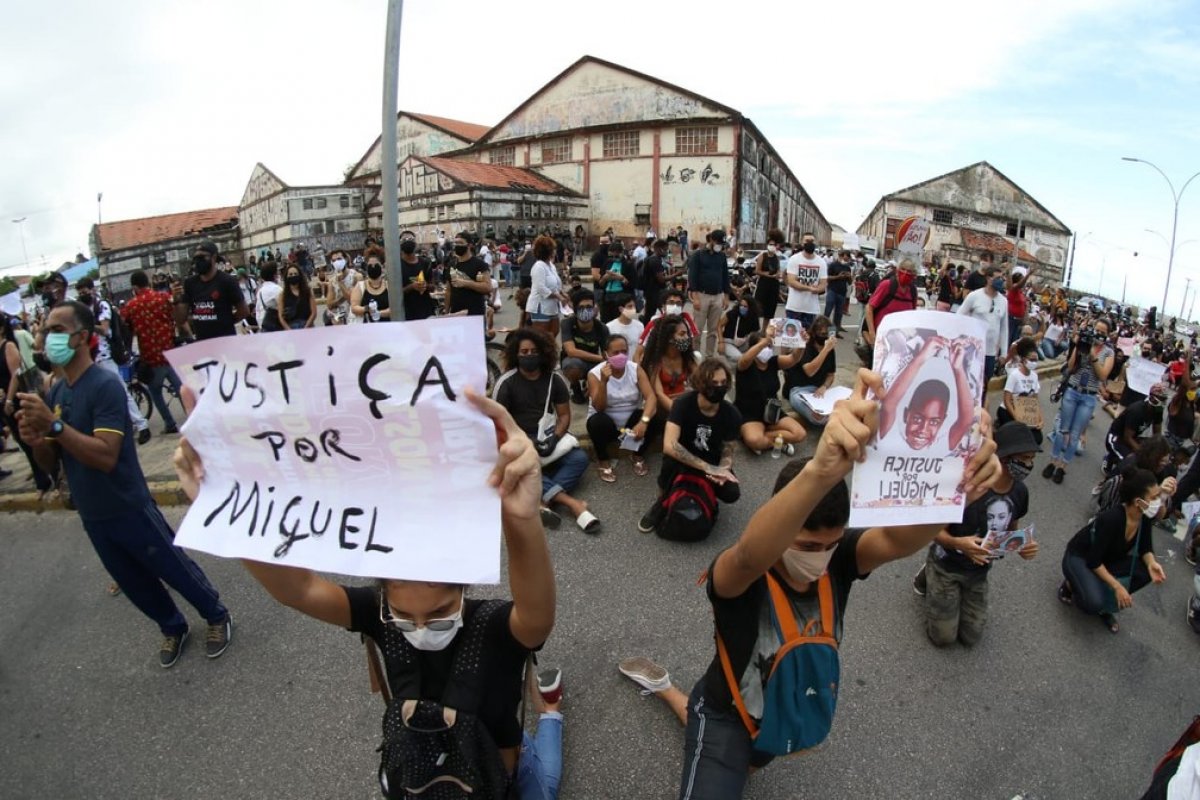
[
  {"x": 201, "y": 265},
  {"x": 809, "y": 248},
  {"x": 293, "y": 280},
  {"x": 529, "y": 363},
  {"x": 374, "y": 271},
  {"x": 41, "y": 362},
  {"x": 160, "y": 286},
  {"x": 86, "y": 298},
  {"x": 49, "y": 299},
  {"x": 715, "y": 394},
  {"x": 408, "y": 247},
  {"x": 460, "y": 249}
]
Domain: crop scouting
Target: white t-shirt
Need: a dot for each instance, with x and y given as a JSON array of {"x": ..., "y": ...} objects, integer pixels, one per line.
[
  {"x": 632, "y": 332},
  {"x": 1054, "y": 333},
  {"x": 993, "y": 311},
  {"x": 623, "y": 394},
  {"x": 268, "y": 295},
  {"x": 1019, "y": 385},
  {"x": 810, "y": 271}
]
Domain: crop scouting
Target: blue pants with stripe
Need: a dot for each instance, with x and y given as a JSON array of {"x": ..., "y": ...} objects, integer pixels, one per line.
[{"x": 717, "y": 752}]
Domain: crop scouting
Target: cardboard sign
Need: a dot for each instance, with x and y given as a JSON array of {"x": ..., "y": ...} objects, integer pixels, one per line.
[
  {"x": 932, "y": 368},
  {"x": 347, "y": 449},
  {"x": 1142, "y": 373},
  {"x": 1028, "y": 410}
]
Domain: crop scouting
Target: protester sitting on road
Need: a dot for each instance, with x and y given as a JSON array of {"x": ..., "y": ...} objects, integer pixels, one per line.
[
  {"x": 797, "y": 544},
  {"x": 1109, "y": 560},
  {"x": 813, "y": 372},
  {"x": 85, "y": 423},
  {"x": 765, "y": 426},
  {"x": 1089, "y": 365},
  {"x": 532, "y": 392},
  {"x": 1181, "y": 413},
  {"x": 545, "y": 289},
  {"x": 702, "y": 431},
  {"x": 1055, "y": 341},
  {"x": 427, "y": 630},
  {"x": 583, "y": 338},
  {"x": 1154, "y": 456},
  {"x": 621, "y": 403},
  {"x": 669, "y": 361},
  {"x": 626, "y": 324},
  {"x": 736, "y": 324},
  {"x": 370, "y": 301},
  {"x": 1126, "y": 431},
  {"x": 295, "y": 303},
  {"x": 672, "y": 307},
  {"x": 954, "y": 578}
]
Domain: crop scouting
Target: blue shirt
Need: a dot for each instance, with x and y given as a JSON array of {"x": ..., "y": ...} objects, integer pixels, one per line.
[
  {"x": 97, "y": 403},
  {"x": 708, "y": 272}
]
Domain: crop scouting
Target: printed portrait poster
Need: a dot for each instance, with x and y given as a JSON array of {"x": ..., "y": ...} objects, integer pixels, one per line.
[
  {"x": 929, "y": 422},
  {"x": 788, "y": 333},
  {"x": 349, "y": 449}
]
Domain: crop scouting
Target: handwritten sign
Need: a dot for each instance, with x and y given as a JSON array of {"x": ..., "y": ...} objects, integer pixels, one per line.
[
  {"x": 11, "y": 303},
  {"x": 1127, "y": 345},
  {"x": 788, "y": 333},
  {"x": 932, "y": 368},
  {"x": 345, "y": 449},
  {"x": 1142, "y": 373}
]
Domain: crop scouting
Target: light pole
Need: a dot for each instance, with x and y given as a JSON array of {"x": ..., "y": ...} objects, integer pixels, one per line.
[
  {"x": 1186, "y": 289},
  {"x": 21, "y": 224},
  {"x": 99, "y": 197},
  {"x": 1175, "y": 196},
  {"x": 387, "y": 171}
]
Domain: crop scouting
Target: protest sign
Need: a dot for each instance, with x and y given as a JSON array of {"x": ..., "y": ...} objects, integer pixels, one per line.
[
  {"x": 911, "y": 236},
  {"x": 346, "y": 449},
  {"x": 999, "y": 543},
  {"x": 1127, "y": 345},
  {"x": 929, "y": 424},
  {"x": 1142, "y": 373},
  {"x": 1028, "y": 409},
  {"x": 11, "y": 303},
  {"x": 824, "y": 404},
  {"x": 788, "y": 333}
]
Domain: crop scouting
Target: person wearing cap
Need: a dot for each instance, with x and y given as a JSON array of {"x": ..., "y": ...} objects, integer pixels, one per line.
[
  {"x": 211, "y": 300},
  {"x": 954, "y": 578},
  {"x": 708, "y": 286},
  {"x": 53, "y": 290},
  {"x": 1126, "y": 431}
]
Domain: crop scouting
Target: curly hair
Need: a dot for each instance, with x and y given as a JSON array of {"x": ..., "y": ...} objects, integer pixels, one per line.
[
  {"x": 541, "y": 340},
  {"x": 659, "y": 341}
]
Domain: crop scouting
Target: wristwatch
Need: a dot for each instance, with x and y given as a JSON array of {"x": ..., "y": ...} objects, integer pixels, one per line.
[
  {"x": 56, "y": 429},
  {"x": 645, "y": 420}
]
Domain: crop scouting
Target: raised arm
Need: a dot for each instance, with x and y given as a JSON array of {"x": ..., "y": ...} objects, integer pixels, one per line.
[
  {"x": 888, "y": 410},
  {"x": 966, "y": 400}
]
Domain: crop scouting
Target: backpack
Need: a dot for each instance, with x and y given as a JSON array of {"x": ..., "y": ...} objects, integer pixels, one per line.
[
  {"x": 440, "y": 750},
  {"x": 120, "y": 339},
  {"x": 864, "y": 351},
  {"x": 800, "y": 697},
  {"x": 691, "y": 507}
]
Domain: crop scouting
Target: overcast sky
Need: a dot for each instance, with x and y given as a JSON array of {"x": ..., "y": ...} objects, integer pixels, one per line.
[{"x": 166, "y": 107}]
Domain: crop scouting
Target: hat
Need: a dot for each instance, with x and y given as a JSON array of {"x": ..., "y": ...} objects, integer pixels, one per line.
[
  {"x": 241, "y": 270},
  {"x": 208, "y": 246},
  {"x": 717, "y": 236},
  {"x": 1014, "y": 437}
]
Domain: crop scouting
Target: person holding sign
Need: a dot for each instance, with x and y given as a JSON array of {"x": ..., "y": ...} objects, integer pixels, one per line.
[
  {"x": 954, "y": 578},
  {"x": 1089, "y": 366},
  {"x": 431, "y": 635},
  {"x": 1021, "y": 389},
  {"x": 813, "y": 372},
  {"x": 796, "y": 548},
  {"x": 84, "y": 421},
  {"x": 1112, "y": 558}
]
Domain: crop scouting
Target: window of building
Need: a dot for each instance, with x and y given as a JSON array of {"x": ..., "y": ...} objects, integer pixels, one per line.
[
  {"x": 943, "y": 217},
  {"x": 555, "y": 151},
  {"x": 321, "y": 202},
  {"x": 432, "y": 214},
  {"x": 344, "y": 201},
  {"x": 441, "y": 212},
  {"x": 1011, "y": 230},
  {"x": 620, "y": 144},
  {"x": 696, "y": 140},
  {"x": 307, "y": 203},
  {"x": 356, "y": 201},
  {"x": 504, "y": 156}
]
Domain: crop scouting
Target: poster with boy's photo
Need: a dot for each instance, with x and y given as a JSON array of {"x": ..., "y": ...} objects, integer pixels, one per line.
[{"x": 929, "y": 420}]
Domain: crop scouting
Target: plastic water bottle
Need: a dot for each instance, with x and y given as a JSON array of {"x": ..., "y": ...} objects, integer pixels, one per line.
[
  {"x": 373, "y": 308},
  {"x": 777, "y": 450}
]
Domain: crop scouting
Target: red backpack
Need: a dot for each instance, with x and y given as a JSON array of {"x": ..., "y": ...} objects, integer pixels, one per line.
[{"x": 691, "y": 506}]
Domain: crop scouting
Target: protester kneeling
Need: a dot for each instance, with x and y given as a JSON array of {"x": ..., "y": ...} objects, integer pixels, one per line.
[
  {"x": 697, "y": 468},
  {"x": 621, "y": 409},
  {"x": 765, "y": 426}
]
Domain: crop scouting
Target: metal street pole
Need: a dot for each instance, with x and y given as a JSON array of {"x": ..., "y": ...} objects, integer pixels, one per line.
[
  {"x": 25, "y": 253},
  {"x": 1100, "y": 288},
  {"x": 391, "y": 186},
  {"x": 1124, "y": 286},
  {"x": 99, "y": 197},
  {"x": 1175, "y": 196},
  {"x": 1185, "y": 294}
]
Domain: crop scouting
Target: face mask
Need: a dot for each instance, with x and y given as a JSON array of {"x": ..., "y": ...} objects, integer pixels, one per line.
[
  {"x": 293, "y": 280},
  {"x": 408, "y": 246},
  {"x": 460, "y": 249},
  {"x": 765, "y": 354},
  {"x": 201, "y": 265},
  {"x": 809, "y": 248},
  {"x": 806, "y": 567},
  {"x": 1191, "y": 395},
  {"x": 85, "y": 298},
  {"x": 743, "y": 311},
  {"x": 58, "y": 348},
  {"x": 1152, "y": 508},
  {"x": 904, "y": 278},
  {"x": 997, "y": 283},
  {"x": 1019, "y": 471},
  {"x": 339, "y": 264},
  {"x": 48, "y": 299},
  {"x": 718, "y": 248},
  {"x": 1030, "y": 364},
  {"x": 673, "y": 310},
  {"x": 374, "y": 271},
  {"x": 604, "y": 248},
  {"x": 425, "y": 639},
  {"x": 715, "y": 394},
  {"x": 586, "y": 314},
  {"x": 618, "y": 361},
  {"x": 627, "y": 313},
  {"x": 529, "y": 363},
  {"x": 683, "y": 345},
  {"x": 771, "y": 249}
]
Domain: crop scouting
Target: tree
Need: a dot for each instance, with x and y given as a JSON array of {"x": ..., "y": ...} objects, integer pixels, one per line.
[{"x": 7, "y": 285}]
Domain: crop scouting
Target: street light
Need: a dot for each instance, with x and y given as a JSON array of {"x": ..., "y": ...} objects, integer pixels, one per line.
[
  {"x": 1175, "y": 196},
  {"x": 21, "y": 224}
]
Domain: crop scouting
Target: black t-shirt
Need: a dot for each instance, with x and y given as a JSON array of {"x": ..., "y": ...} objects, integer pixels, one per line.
[
  {"x": 652, "y": 267},
  {"x": 1137, "y": 418},
  {"x": 838, "y": 287},
  {"x": 754, "y": 387},
  {"x": 1183, "y": 423},
  {"x": 503, "y": 661},
  {"x": 975, "y": 280},
  {"x": 417, "y": 305},
  {"x": 1108, "y": 545},
  {"x": 945, "y": 289},
  {"x": 704, "y": 436},
  {"x": 797, "y": 377},
  {"x": 211, "y": 304},
  {"x": 995, "y": 510},
  {"x": 590, "y": 341},
  {"x": 526, "y": 399},
  {"x": 465, "y": 299},
  {"x": 526, "y": 267},
  {"x": 768, "y": 287},
  {"x": 744, "y": 625}
]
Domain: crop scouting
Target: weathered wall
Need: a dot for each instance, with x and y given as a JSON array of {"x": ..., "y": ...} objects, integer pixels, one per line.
[
  {"x": 982, "y": 192},
  {"x": 413, "y": 137},
  {"x": 768, "y": 196},
  {"x": 696, "y": 192}
]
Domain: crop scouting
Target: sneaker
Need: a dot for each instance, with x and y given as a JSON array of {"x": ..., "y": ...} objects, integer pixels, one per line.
[
  {"x": 920, "y": 582},
  {"x": 550, "y": 518},
  {"x": 1048, "y": 472},
  {"x": 218, "y": 637},
  {"x": 143, "y": 436},
  {"x": 1065, "y": 595},
  {"x": 646, "y": 674},
  {"x": 1193, "y": 614},
  {"x": 172, "y": 648},
  {"x": 170, "y": 430},
  {"x": 651, "y": 519},
  {"x": 549, "y": 683},
  {"x": 1059, "y": 474}
]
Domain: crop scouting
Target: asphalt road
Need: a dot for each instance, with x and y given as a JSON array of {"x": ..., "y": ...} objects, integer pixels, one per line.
[{"x": 1047, "y": 705}]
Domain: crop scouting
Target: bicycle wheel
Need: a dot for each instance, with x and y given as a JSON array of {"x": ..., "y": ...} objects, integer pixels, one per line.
[{"x": 141, "y": 396}]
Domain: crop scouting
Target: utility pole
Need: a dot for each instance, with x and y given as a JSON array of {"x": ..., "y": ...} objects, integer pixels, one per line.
[
  {"x": 1185, "y": 294},
  {"x": 1124, "y": 286},
  {"x": 99, "y": 197},
  {"x": 1175, "y": 196},
  {"x": 391, "y": 188}
]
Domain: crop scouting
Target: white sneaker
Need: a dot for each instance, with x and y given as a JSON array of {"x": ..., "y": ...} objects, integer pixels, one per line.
[{"x": 645, "y": 673}]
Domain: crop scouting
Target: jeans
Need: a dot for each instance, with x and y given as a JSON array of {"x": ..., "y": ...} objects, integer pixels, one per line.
[
  {"x": 1092, "y": 595},
  {"x": 1014, "y": 328},
  {"x": 539, "y": 768},
  {"x": 1075, "y": 413},
  {"x": 834, "y": 303},
  {"x": 138, "y": 550},
  {"x": 717, "y": 752},
  {"x": 989, "y": 369},
  {"x": 1051, "y": 350},
  {"x": 564, "y": 474},
  {"x": 506, "y": 273},
  {"x": 139, "y": 422},
  {"x": 708, "y": 317},
  {"x": 955, "y": 604},
  {"x": 802, "y": 408},
  {"x": 159, "y": 376}
]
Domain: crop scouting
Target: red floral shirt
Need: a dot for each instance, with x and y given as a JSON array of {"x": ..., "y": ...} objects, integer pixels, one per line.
[{"x": 152, "y": 316}]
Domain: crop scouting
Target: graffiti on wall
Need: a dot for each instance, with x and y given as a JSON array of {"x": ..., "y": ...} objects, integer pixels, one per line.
[{"x": 704, "y": 175}]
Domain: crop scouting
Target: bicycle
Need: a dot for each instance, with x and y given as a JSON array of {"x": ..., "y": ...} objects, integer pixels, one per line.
[{"x": 141, "y": 393}]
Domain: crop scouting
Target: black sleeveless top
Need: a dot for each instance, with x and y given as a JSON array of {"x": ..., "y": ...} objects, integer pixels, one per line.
[{"x": 381, "y": 300}]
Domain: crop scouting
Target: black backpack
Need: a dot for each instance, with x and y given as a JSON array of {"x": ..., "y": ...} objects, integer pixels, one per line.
[
  {"x": 864, "y": 351},
  {"x": 120, "y": 338},
  {"x": 691, "y": 507},
  {"x": 441, "y": 750}
]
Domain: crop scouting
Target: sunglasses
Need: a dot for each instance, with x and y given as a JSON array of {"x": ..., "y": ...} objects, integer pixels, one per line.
[{"x": 409, "y": 626}]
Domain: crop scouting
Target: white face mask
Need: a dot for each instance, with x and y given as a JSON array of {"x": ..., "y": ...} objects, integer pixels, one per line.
[
  {"x": 627, "y": 313},
  {"x": 1152, "y": 508},
  {"x": 1031, "y": 364},
  {"x": 673, "y": 310},
  {"x": 806, "y": 567},
  {"x": 426, "y": 639},
  {"x": 765, "y": 354},
  {"x": 717, "y": 248},
  {"x": 771, "y": 249},
  {"x": 339, "y": 264}
]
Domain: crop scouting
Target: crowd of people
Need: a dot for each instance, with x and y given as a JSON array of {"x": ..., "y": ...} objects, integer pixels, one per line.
[{"x": 672, "y": 346}]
